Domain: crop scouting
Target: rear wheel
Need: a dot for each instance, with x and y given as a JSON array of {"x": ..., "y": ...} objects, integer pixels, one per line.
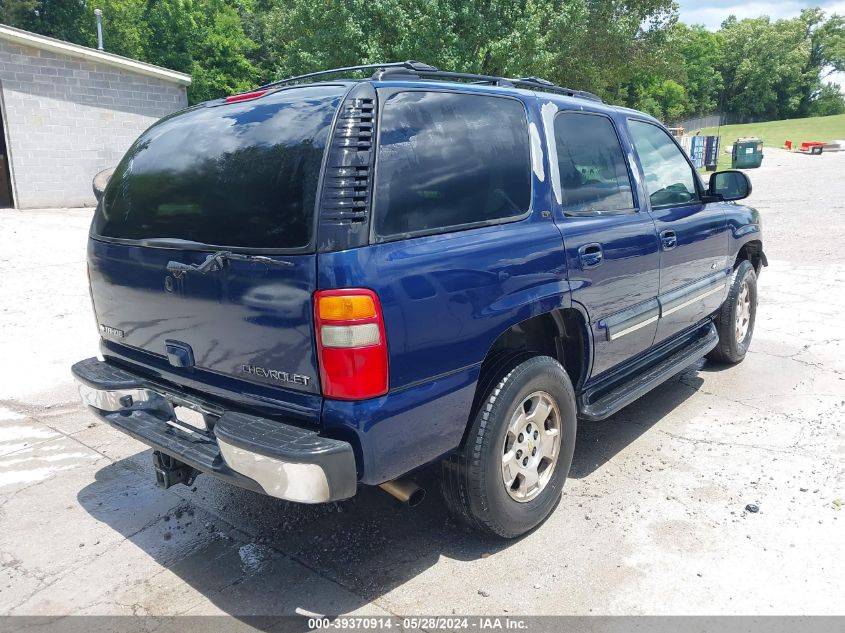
[
  {"x": 735, "y": 319},
  {"x": 509, "y": 476}
]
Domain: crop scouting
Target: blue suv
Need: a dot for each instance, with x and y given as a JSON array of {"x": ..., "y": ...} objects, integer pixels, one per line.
[{"x": 326, "y": 283}]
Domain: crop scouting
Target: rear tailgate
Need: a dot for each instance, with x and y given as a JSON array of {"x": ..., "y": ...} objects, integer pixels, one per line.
[
  {"x": 249, "y": 323},
  {"x": 238, "y": 180}
]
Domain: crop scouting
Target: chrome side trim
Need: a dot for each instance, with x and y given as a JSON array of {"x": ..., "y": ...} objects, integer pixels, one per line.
[
  {"x": 689, "y": 302},
  {"x": 632, "y": 328},
  {"x": 305, "y": 483}
]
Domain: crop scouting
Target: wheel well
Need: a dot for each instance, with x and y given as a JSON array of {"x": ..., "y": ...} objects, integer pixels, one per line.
[
  {"x": 561, "y": 334},
  {"x": 753, "y": 252}
]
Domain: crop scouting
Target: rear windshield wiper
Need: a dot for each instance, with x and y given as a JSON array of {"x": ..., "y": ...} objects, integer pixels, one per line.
[{"x": 217, "y": 261}]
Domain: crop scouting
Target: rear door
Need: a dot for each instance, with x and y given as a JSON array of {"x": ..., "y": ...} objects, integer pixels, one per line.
[
  {"x": 694, "y": 264},
  {"x": 237, "y": 179},
  {"x": 610, "y": 240}
]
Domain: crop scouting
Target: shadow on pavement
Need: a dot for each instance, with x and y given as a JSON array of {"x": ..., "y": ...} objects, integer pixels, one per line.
[
  {"x": 599, "y": 442},
  {"x": 253, "y": 555}
]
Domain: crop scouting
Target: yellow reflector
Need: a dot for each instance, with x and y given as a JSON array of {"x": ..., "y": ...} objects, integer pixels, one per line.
[{"x": 345, "y": 308}]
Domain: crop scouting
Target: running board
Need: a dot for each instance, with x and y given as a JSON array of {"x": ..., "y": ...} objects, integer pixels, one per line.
[{"x": 627, "y": 392}]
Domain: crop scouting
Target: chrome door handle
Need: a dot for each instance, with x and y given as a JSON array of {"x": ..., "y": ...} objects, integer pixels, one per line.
[
  {"x": 590, "y": 255},
  {"x": 669, "y": 240}
]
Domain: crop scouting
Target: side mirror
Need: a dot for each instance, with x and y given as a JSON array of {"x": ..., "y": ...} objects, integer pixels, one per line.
[
  {"x": 100, "y": 181},
  {"x": 729, "y": 185}
]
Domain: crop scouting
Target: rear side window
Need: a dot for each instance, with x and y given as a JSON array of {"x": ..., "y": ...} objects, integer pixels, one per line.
[
  {"x": 593, "y": 175},
  {"x": 668, "y": 175},
  {"x": 448, "y": 160},
  {"x": 237, "y": 175}
]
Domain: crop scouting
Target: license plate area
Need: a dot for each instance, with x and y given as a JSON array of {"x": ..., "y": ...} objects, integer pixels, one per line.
[{"x": 191, "y": 418}]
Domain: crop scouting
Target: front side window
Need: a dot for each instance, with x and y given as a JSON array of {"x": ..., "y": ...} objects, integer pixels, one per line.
[
  {"x": 593, "y": 177},
  {"x": 450, "y": 159},
  {"x": 669, "y": 177}
]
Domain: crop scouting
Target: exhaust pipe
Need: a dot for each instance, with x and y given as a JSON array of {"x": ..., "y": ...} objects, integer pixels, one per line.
[{"x": 405, "y": 490}]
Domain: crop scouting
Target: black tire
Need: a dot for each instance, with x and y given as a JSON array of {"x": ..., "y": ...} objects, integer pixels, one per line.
[
  {"x": 730, "y": 349},
  {"x": 472, "y": 480}
]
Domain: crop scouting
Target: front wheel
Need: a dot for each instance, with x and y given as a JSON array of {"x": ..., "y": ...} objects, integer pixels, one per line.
[
  {"x": 735, "y": 319},
  {"x": 509, "y": 475}
]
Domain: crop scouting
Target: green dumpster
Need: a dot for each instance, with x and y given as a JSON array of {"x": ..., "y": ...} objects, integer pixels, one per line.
[{"x": 747, "y": 153}]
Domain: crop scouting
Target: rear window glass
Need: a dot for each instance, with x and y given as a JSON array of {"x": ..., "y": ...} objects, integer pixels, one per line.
[
  {"x": 450, "y": 159},
  {"x": 237, "y": 175}
]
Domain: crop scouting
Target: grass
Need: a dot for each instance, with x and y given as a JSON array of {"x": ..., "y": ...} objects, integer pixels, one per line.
[{"x": 774, "y": 133}]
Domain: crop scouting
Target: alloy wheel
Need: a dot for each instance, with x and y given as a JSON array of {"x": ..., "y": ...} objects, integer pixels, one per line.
[{"x": 532, "y": 446}]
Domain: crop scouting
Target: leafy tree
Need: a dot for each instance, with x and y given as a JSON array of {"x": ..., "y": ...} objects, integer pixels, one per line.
[
  {"x": 125, "y": 30},
  {"x": 773, "y": 70},
  {"x": 631, "y": 52},
  {"x": 203, "y": 38},
  {"x": 701, "y": 53},
  {"x": 219, "y": 62},
  {"x": 591, "y": 44},
  {"x": 17, "y": 12},
  {"x": 764, "y": 66},
  {"x": 827, "y": 40},
  {"x": 829, "y": 100},
  {"x": 61, "y": 19}
]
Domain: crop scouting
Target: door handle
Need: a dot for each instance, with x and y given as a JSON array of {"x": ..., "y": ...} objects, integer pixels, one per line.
[
  {"x": 590, "y": 255},
  {"x": 669, "y": 239}
]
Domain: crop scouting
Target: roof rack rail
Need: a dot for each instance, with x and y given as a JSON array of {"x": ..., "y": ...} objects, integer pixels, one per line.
[
  {"x": 414, "y": 68},
  {"x": 409, "y": 65}
]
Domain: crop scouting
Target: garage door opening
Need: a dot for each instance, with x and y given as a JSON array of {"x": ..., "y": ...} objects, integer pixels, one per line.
[{"x": 5, "y": 177}]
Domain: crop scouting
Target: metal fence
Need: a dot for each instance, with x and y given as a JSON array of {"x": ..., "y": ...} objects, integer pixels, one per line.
[
  {"x": 691, "y": 125},
  {"x": 712, "y": 120}
]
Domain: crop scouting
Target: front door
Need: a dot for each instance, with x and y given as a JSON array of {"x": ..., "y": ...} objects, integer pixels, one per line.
[
  {"x": 694, "y": 266},
  {"x": 610, "y": 240}
]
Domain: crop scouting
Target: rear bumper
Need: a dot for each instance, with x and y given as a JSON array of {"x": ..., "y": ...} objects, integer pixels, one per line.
[{"x": 278, "y": 459}]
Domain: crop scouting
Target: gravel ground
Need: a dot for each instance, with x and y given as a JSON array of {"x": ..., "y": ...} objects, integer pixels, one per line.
[{"x": 653, "y": 519}]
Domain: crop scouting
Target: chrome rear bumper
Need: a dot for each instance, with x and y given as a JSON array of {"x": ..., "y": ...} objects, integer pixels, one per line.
[{"x": 278, "y": 459}]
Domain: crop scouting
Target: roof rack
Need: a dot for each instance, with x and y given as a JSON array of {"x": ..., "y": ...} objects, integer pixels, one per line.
[{"x": 415, "y": 69}]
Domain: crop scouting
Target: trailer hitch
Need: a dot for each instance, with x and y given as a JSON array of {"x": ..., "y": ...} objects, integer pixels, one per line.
[{"x": 170, "y": 471}]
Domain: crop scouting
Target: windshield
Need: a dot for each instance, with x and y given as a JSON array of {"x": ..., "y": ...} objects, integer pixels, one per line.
[{"x": 236, "y": 175}]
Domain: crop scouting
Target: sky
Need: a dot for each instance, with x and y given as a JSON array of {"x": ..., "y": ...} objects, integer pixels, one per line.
[{"x": 712, "y": 12}]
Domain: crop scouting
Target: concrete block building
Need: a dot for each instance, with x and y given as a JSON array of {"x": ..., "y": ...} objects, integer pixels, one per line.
[{"x": 69, "y": 111}]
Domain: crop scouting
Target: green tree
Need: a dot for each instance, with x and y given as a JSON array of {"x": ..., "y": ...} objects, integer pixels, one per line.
[
  {"x": 827, "y": 40},
  {"x": 203, "y": 38},
  {"x": 220, "y": 63},
  {"x": 774, "y": 70},
  {"x": 764, "y": 66},
  {"x": 701, "y": 52},
  {"x": 829, "y": 100},
  {"x": 590, "y": 44},
  {"x": 125, "y": 30},
  {"x": 61, "y": 19}
]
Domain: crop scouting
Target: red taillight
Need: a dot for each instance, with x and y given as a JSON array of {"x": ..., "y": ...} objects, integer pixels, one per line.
[
  {"x": 351, "y": 344},
  {"x": 244, "y": 96}
]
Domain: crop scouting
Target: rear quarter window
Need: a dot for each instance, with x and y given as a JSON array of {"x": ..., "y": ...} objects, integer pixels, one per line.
[
  {"x": 240, "y": 175},
  {"x": 449, "y": 160}
]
